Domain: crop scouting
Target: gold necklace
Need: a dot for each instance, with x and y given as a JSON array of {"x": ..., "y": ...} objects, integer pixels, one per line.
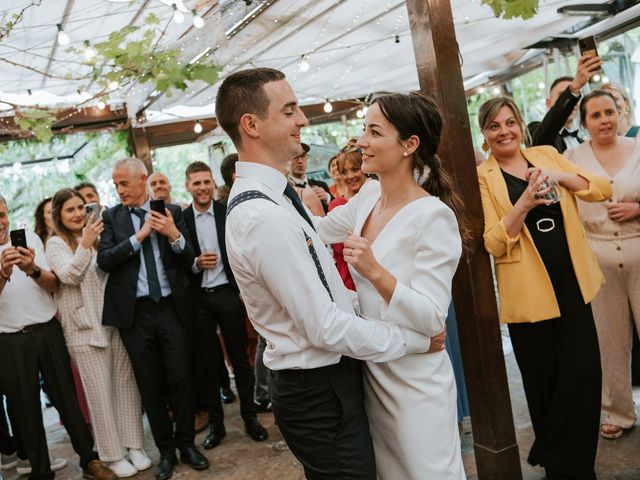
[{"x": 383, "y": 210}]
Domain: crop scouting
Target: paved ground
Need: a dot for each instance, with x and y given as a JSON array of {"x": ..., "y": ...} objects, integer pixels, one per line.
[{"x": 239, "y": 458}]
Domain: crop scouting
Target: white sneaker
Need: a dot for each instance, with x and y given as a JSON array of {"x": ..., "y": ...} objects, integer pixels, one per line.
[
  {"x": 122, "y": 468},
  {"x": 24, "y": 466},
  {"x": 7, "y": 462},
  {"x": 139, "y": 459}
]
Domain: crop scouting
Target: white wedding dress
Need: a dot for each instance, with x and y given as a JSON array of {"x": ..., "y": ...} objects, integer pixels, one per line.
[{"x": 411, "y": 401}]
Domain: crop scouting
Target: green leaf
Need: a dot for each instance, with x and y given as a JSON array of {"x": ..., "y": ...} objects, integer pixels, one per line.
[
  {"x": 509, "y": 9},
  {"x": 206, "y": 73},
  {"x": 152, "y": 19}
]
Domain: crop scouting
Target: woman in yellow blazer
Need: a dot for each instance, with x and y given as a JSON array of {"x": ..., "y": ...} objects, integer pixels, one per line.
[{"x": 547, "y": 275}]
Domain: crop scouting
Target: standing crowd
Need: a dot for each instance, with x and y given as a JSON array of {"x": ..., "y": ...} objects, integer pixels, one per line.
[{"x": 350, "y": 354}]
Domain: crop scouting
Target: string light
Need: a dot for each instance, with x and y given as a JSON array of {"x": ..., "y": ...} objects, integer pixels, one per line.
[
  {"x": 101, "y": 105},
  {"x": 197, "y": 127},
  {"x": 328, "y": 108},
  {"x": 596, "y": 78},
  {"x": 198, "y": 21},
  {"x": 496, "y": 90},
  {"x": 359, "y": 113},
  {"x": 304, "y": 64},
  {"x": 89, "y": 51},
  {"x": 178, "y": 16},
  {"x": 63, "y": 38},
  {"x": 113, "y": 85}
]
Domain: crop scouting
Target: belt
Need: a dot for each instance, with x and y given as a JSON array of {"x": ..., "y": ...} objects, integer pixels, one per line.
[
  {"x": 28, "y": 328},
  {"x": 215, "y": 289},
  {"x": 317, "y": 375}
]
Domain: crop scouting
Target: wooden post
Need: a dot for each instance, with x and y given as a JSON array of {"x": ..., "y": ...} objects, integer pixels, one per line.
[
  {"x": 140, "y": 144},
  {"x": 438, "y": 63}
]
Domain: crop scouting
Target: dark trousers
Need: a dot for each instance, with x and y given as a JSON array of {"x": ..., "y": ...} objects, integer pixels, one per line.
[
  {"x": 223, "y": 308},
  {"x": 321, "y": 415},
  {"x": 559, "y": 361},
  {"x": 223, "y": 372},
  {"x": 23, "y": 357},
  {"x": 10, "y": 438},
  {"x": 159, "y": 347}
]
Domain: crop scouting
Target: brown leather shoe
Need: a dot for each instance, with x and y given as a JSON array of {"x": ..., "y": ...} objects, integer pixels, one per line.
[
  {"x": 96, "y": 470},
  {"x": 202, "y": 421}
]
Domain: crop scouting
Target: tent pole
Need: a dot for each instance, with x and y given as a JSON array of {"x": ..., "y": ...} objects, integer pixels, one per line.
[{"x": 438, "y": 64}]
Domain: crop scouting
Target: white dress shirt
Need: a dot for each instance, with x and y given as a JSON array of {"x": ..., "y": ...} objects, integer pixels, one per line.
[
  {"x": 283, "y": 293},
  {"x": 208, "y": 242}
]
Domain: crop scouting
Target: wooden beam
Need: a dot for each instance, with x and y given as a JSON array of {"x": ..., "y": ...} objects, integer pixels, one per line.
[
  {"x": 140, "y": 146},
  {"x": 438, "y": 63}
]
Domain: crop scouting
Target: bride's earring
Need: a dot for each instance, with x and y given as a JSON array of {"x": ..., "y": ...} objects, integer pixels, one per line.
[{"x": 404, "y": 154}]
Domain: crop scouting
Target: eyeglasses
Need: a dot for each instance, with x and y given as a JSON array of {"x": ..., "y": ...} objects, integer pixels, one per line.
[{"x": 350, "y": 149}]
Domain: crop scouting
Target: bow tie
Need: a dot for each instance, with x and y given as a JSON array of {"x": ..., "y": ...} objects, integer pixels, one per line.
[
  {"x": 301, "y": 184},
  {"x": 567, "y": 133}
]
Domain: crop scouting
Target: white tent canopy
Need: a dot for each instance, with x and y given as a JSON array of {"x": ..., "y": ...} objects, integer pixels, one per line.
[{"x": 353, "y": 47}]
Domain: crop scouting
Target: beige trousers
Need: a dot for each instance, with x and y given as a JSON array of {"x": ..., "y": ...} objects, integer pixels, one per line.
[
  {"x": 614, "y": 308},
  {"x": 112, "y": 396}
]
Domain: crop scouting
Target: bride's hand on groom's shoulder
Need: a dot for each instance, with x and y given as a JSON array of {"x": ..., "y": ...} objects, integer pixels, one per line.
[{"x": 357, "y": 253}]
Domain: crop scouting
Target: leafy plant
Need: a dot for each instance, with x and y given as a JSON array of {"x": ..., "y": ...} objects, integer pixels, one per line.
[{"x": 509, "y": 9}]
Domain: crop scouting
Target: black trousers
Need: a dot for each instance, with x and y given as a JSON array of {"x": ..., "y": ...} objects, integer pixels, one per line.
[
  {"x": 23, "y": 357},
  {"x": 223, "y": 372},
  {"x": 159, "y": 347},
  {"x": 321, "y": 415},
  {"x": 222, "y": 307},
  {"x": 559, "y": 361}
]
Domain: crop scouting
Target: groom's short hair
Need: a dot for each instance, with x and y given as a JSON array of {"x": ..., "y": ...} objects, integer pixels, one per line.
[{"x": 241, "y": 93}]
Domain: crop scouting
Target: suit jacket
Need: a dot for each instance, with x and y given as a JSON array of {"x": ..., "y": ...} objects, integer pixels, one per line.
[
  {"x": 526, "y": 292},
  {"x": 547, "y": 132},
  {"x": 220, "y": 215},
  {"x": 117, "y": 257}
]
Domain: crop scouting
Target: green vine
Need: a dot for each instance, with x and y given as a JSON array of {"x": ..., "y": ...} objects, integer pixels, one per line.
[{"x": 509, "y": 9}]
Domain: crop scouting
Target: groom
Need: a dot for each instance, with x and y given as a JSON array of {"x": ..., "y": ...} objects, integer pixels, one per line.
[{"x": 292, "y": 291}]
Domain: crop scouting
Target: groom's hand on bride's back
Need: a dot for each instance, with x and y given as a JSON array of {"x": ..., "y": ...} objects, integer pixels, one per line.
[{"x": 438, "y": 342}]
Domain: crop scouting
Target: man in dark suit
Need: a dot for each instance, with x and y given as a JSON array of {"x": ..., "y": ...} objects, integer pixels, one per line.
[
  {"x": 564, "y": 96},
  {"x": 148, "y": 256},
  {"x": 217, "y": 303},
  {"x": 298, "y": 176}
]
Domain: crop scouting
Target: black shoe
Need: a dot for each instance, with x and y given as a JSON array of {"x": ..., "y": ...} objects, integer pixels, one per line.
[
  {"x": 256, "y": 431},
  {"x": 263, "y": 407},
  {"x": 227, "y": 395},
  {"x": 216, "y": 434},
  {"x": 164, "y": 469},
  {"x": 192, "y": 457}
]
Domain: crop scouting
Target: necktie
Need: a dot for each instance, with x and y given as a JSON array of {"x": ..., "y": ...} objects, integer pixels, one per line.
[
  {"x": 149, "y": 262},
  {"x": 290, "y": 193}
]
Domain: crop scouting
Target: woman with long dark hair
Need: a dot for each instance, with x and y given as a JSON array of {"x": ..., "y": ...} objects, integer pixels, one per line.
[
  {"x": 547, "y": 277},
  {"x": 403, "y": 252},
  {"x": 102, "y": 361},
  {"x": 43, "y": 222}
]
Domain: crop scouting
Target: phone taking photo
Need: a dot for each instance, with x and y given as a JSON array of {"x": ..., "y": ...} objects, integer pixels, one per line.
[
  {"x": 588, "y": 47},
  {"x": 157, "y": 206},
  {"x": 18, "y": 238},
  {"x": 92, "y": 208}
]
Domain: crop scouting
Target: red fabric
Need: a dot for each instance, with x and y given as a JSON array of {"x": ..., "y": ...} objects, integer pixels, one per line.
[{"x": 341, "y": 265}]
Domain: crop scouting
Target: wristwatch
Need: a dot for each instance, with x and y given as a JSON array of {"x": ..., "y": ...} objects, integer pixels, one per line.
[{"x": 35, "y": 274}]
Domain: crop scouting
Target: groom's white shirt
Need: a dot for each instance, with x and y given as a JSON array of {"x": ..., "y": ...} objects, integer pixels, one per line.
[{"x": 285, "y": 298}]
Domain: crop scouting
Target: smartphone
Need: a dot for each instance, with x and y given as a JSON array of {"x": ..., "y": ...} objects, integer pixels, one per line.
[
  {"x": 90, "y": 208},
  {"x": 18, "y": 238},
  {"x": 157, "y": 206},
  {"x": 587, "y": 46}
]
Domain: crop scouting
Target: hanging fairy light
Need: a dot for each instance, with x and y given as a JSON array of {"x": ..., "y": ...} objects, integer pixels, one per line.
[
  {"x": 359, "y": 113},
  {"x": 102, "y": 105},
  {"x": 89, "y": 51},
  {"x": 63, "y": 38},
  {"x": 197, "y": 127},
  {"x": 178, "y": 16},
  {"x": 198, "y": 21},
  {"x": 328, "y": 108},
  {"x": 304, "y": 64},
  {"x": 113, "y": 85}
]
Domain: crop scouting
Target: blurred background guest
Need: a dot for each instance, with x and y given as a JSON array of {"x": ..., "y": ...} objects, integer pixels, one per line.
[
  {"x": 338, "y": 189},
  {"x": 626, "y": 124},
  {"x": 613, "y": 231},
  {"x": 43, "y": 222}
]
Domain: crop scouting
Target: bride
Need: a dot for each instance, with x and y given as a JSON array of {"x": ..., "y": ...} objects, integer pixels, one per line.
[{"x": 403, "y": 253}]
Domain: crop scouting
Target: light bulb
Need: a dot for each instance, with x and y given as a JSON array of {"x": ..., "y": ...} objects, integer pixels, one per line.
[
  {"x": 496, "y": 90},
  {"x": 63, "y": 38},
  {"x": 359, "y": 113},
  {"x": 364, "y": 110},
  {"x": 605, "y": 79},
  {"x": 197, "y": 127},
  {"x": 101, "y": 105},
  {"x": 89, "y": 51},
  {"x": 328, "y": 108},
  {"x": 303, "y": 65},
  {"x": 113, "y": 85},
  {"x": 178, "y": 16},
  {"x": 596, "y": 78},
  {"x": 198, "y": 21}
]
